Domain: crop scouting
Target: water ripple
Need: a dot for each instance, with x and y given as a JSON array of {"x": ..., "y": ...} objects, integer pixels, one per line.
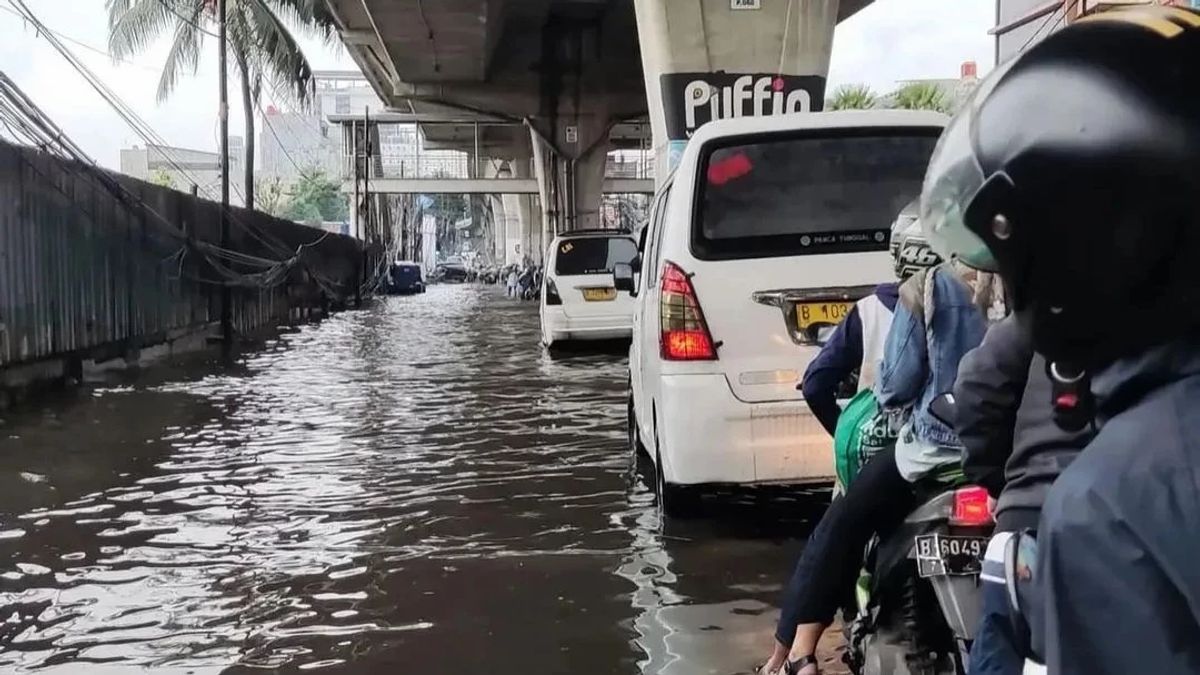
[{"x": 414, "y": 486}]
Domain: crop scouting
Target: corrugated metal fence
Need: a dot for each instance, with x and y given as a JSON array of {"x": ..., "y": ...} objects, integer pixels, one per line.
[{"x": 89, "y": 270}]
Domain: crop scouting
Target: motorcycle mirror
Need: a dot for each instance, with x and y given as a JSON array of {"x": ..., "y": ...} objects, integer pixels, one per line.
[{"x": 944, "y": 409}]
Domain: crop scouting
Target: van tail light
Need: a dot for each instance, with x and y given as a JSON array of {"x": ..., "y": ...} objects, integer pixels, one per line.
[
  {"x": 685, "y": 335},
  {"x": 552, "y": 296},
  {"x": 971, "y": 507}
]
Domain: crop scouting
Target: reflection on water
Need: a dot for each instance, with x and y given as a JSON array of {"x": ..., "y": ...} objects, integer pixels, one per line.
[{"x": 410, "y": 488}]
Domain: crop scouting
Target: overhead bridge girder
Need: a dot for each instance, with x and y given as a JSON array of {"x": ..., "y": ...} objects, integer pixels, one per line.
[{"x": 511, "y": 186}]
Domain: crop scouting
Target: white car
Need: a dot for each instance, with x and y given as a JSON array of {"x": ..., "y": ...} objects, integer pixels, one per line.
[
  {"x": 761, "y": 240},
  {"x": 578, "y": 300}
]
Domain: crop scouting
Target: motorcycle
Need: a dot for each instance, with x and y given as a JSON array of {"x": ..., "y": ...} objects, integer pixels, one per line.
[{"x": 918, "y": 599}]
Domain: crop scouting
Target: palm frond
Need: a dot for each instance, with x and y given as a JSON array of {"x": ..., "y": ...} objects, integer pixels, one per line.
[
  {"x": 276, "y": 53},
  {"x": 852, "y": 97},
  {"x": 184, "y": 55},
  {"x": 134, "y": 25}
]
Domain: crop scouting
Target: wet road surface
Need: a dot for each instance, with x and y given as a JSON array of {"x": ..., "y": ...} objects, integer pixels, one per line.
[{"x": 414, "y": 487}]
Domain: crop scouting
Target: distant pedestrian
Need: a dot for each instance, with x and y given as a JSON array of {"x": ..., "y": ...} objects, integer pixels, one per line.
[{"x": 512, "y": 282}]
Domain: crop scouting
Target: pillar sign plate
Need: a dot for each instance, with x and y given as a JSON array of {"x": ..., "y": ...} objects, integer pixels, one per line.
[
  {"x": 572, "y": 134},
  {"x": 745, "y": 4},
  {"x": 691, "y": 99}
]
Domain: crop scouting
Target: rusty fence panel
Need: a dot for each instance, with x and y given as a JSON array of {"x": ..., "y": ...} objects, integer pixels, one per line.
[{"x": 92, "y": 271}]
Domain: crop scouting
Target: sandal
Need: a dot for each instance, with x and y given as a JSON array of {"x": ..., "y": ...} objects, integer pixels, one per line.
[{"x": 794, "y": 667}]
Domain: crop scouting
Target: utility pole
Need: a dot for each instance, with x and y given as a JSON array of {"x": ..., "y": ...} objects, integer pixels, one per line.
[{"x": 223, "y": 77}]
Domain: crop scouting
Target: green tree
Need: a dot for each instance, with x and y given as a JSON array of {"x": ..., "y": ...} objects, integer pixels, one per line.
[
  {"x": 162, "y": 178},
  {"x": 271, "y": 196},
  {"x": 852, "y": 97},
  {"x": 261, "y": 46},
  {"x": 316, "y": 197},
  {"x": 921, "y": 96}
]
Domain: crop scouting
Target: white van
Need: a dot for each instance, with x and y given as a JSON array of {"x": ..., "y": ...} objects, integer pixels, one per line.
[
  {"x": 578, "y": 300},
  {"x": 767, "y": 232}
]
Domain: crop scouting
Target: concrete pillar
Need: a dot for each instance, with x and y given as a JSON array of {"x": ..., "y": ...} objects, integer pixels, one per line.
[
  {"x": 514, "y": 231},
  {"x": 704, "y": 60},
  {"x": 570, "y": 173}
]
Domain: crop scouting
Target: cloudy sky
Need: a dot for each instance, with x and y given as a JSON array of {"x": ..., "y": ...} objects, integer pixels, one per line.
[{"x": 889, "y": 41}]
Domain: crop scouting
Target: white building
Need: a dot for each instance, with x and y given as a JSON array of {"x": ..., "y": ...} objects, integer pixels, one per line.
[
  {"x": 291, "y": 142},
  {"x": 181, "y": 168}
]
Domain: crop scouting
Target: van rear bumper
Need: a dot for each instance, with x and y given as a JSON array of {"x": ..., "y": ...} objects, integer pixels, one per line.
[
  {"x": 707, "y": 435},
  {"x": 558, "y": 327}
]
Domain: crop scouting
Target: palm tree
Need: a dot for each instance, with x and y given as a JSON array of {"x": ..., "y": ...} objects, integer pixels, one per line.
[
  {"x": 260, "y": 44},
  {"x": 921, "y": 96},
  {"x": 852, "y": 97}
]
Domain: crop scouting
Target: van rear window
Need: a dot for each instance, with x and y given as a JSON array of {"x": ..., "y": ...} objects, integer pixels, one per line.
[
  {"x": 808, "y": 195},
  {"x": 593, "y": 255}
]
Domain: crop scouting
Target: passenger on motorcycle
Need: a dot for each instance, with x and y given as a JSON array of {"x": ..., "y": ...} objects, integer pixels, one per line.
[
  {"x": 1074, "y": 173},
  {"x": 1014, "y": 449},
  {"x": 941, "y": 314},
  {"x": 857, "y": 342}
]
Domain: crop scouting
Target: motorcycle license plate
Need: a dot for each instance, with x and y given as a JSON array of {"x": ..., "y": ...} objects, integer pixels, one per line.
[
  {"x": 599, "y": 294},
  {"x": 949, "y": 555}
]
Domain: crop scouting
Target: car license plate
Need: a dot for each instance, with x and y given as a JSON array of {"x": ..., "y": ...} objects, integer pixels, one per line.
[
  {"x": 949, "y": 555},
  {"x": 599, "y": 294},
  {"x": 809, "y": 314}
]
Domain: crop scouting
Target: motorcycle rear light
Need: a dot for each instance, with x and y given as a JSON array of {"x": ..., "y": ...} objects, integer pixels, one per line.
[
  {"x": 552, "y": 296},
  {"x": 684, "y": 332},
  {"x": 971, "y": 507}
]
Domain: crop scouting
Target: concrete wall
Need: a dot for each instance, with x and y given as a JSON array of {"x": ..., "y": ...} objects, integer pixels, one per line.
[{"x": 693, "y": 54}]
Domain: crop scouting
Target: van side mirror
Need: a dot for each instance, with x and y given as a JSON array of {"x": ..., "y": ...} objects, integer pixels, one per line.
[{"x": 623, "y": 278}]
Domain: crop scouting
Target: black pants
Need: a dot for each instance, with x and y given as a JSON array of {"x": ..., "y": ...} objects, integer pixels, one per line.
[{"x": 877, "y": 501}]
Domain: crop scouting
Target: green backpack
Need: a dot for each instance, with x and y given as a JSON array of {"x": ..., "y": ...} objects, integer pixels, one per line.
[{"x": 862, "y": 430}]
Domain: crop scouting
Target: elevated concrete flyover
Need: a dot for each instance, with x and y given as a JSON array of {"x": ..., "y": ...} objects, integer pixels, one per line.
[{"x": 575, "y": 72}]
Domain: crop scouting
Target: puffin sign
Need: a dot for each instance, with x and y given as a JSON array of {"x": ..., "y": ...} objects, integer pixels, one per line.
[{"x": 691, "y": 99}]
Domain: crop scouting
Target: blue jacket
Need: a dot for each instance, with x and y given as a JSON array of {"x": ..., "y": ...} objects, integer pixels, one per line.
[
  {"x": 841, "y": 355},
  {"x": 1119, "y": 539},
  {"x": 920, "y": 362}
]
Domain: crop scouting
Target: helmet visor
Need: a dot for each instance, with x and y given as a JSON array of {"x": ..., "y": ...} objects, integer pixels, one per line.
[{"x": 951, "y": 182}]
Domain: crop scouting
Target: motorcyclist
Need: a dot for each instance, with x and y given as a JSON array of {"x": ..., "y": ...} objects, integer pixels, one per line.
[
  {"x": 1074, "y": 172},
  {"x": 1013, "y": 448},
  {"x": 942, "y": 313},
  {"x": 857, "y": 342}
]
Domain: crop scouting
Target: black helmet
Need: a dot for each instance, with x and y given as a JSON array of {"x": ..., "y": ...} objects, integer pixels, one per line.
[{"x": 1074, "y": 171}]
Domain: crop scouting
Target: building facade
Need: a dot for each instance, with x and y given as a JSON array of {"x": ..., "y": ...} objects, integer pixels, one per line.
[
  {"x": 1021, "y": 23},
  {"x": 181, "y": 168},
  {"x": 294, "y": 142}
]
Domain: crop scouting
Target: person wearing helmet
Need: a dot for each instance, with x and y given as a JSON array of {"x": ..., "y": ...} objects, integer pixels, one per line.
[
  {"x": 856, "y": 344},
  {"x": 1014, "y": 450},
  {"x": 1073, "y": 172},
  {"x": 941, "y": 314}
]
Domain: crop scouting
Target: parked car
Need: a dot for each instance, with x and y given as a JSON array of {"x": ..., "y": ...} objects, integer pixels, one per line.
[
  {"x": 764, "y": 236},
  {"x": 452, "y": 271},
  {"x": 405, "y": 277},
  {"x": 578, "y": 300}
]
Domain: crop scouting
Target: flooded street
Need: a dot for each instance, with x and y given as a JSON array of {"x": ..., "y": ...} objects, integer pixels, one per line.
[{"x": 414, "y": 487}]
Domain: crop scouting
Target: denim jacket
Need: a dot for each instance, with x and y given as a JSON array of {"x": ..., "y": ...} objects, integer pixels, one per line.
[{"x": 921, "y": 358}]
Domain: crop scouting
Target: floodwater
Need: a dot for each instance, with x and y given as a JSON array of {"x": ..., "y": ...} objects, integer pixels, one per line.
[{"x": 410, "y": 488}]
